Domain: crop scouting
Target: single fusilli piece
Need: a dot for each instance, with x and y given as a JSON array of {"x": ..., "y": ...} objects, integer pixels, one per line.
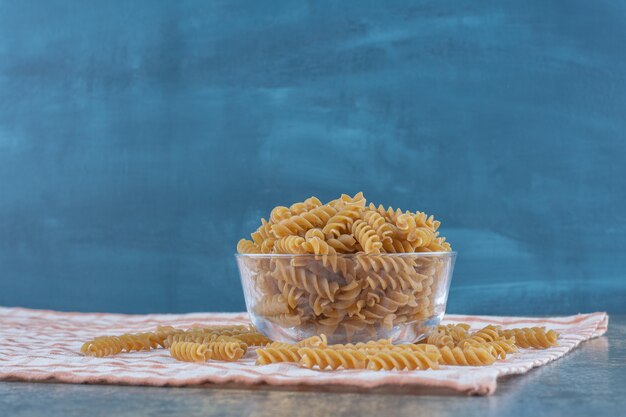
[
  {"x": 289, "y": 244},
  {"x": 102, "y": 346},
  {"x": 190, "y": 352},
  {"x": 247, "y": 246},
  {"x": 383, "y": 229},
  {"x": 271, "y": 306},
  {"x": 499, "y": 347},
  {"x": 203, "y": 338},
  {"x": 400, "y": 359},
  {"x": 532, "y": 337},
  {"x": 331, "y": 358},
  {"x": 299, "y": 224},
  {"x": 486, "y": 334},
  {"x": 291, "y": 293},
  {"x": 306, "y": 205},
  {"x": 225, "y": 351},
  {"x": 341, "y": 222},
  {"x": 366, "y": 236},
  {"x": 421, "y": 237},
  {"x": 306, "y": 280},
  {"x": 468, "y": 356},
  {"x": 263, "y": 232},
  {"x": 346, "y": 200},
  {"x": 440, "y": 339},
  {"x": 112, "y": 345},
  {"x": 280, "y": 213},
  {"x": 278, "y": 353}
]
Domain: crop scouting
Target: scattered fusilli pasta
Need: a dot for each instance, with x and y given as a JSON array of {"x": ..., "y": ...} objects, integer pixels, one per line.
[{"x": 451, "y": 345}]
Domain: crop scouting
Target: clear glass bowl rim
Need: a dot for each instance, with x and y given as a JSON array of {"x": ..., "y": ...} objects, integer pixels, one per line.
[{"x": 451, "y": 254}]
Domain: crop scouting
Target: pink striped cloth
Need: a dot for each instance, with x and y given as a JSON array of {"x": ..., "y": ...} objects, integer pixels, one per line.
[{"x": 43, "y": 345}]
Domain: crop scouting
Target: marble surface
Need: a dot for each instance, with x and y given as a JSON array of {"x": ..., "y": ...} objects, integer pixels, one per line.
[{"x": 589, "y": 381}]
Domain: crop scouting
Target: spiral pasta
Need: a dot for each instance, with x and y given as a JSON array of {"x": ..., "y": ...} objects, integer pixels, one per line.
[
  {"x": 341, "y": 222},
  {"x": 346, "y": 200},
  {"x": 274, "y": 354},
  {"x": 204, "y": 338},
  {"x": 324, "y": 358},
  {"x": 485, "y": 335},
  {"x": 440, "y": 339},
  {"x": 280, "y": 213},
  {"x": 317, "y": 217},
  {"x": 306, "y": 280},
  {"x": 532, "y": 337},
  {"x": 468, "y": 356},
  {"x": 262, "y": 233},
  {"x": 499, "y": 347},
  {"x": 273, "y": 305},
  {"x": 247, "y": 246},
  {"x": 366, "y": 236},
  {"x": 112, "y": 345},
  {"x": 289, "y": 244},
  {"x": 292, "y": 294},
  {"x": 378, "y": 223},
  {"x": 400, "y": 360},
  {"x": 225, "y": 351},
  {"x": 190, "y": 352},
  {"x": 102, "y": 346}
]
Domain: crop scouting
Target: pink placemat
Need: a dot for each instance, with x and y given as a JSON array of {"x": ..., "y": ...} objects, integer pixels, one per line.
[{"x": 37, "y": 345}]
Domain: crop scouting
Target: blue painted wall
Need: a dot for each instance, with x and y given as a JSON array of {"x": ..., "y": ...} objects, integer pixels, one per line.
[{"x": 139, "y": 140}]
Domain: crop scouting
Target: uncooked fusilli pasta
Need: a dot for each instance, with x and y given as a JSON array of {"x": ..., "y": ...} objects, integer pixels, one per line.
[
  {"x": 324, "y": 358},
  {"x": 112, "y": 345},
  {"x": 532, "y": 337},
  {"x": 454, "y": 345},
  {"x": 400, "y": 359},
  {"x": 284, "y": 353},
  {"x": 469, "y": 356},
  {"x": 190, "y": 352}
]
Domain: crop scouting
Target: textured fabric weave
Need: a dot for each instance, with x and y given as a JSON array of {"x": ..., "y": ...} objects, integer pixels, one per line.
[{"x": 44, "y": 345}]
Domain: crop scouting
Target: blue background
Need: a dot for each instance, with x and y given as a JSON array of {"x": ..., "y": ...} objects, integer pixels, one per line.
[{"x": 140, "y": 140}]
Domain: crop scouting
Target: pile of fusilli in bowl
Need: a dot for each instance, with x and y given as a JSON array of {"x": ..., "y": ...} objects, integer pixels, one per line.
[{"x": 352, "y": 271}]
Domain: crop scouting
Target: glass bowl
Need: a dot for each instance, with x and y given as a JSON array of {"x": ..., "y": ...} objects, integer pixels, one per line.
[{"x": 350, "y": 298}]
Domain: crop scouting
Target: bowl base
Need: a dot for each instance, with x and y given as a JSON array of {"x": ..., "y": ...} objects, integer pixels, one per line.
[{"x": 410, "y": 332}]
